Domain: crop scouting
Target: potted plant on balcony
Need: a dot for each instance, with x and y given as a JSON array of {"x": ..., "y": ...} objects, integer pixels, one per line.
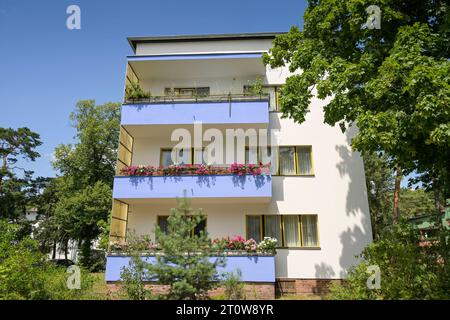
[{"x": 134, "y": 92}]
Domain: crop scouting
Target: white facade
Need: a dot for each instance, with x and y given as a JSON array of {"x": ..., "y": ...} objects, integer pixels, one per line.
[{"x": 335, "y": 192}]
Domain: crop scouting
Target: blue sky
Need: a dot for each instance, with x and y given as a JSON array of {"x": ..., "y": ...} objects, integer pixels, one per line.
[{"x": 46, "y": 68}]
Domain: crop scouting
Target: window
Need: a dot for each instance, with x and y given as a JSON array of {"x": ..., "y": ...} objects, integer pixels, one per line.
[
  {"x": 305, "y": 166},
  {"x": 125, "y": 150},
  {"x": 289, "y": 160},
  {"x": 272, "y": 227},
  {"x": 290, "y": 230},
  {"x": 164, "y": 226},
  {"x": 166, "y": 157},
  {"x": 309, "y": 230},
  {"x": 254, "y": 228},
  {"x": 187, "y": 92},
  {"x": 200, "y": 156},
  {"x": 119, "y": 219},
  {"x": 182, "y": 156},
  {"x": 269, "y": 155}
]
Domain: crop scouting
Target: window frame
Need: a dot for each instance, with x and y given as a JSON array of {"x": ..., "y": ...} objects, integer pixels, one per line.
[
  {"x": 177, "y": 91},
  {"x": 126, "y": 148},
  {"x": 282, "y": 229},
  {"x": 111, "y": 236},
  {"x": 296, "y": 161}
]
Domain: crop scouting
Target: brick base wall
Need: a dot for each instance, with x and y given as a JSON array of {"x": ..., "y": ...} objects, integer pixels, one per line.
[
  {"x": 253, "y": 290},
  {"x": 318, "y": 287}
]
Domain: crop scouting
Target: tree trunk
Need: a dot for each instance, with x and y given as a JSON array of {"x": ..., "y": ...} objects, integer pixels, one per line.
[
  {"x": 54, "y": 250},
  {"x": 437, "y": 198},
  {"x": 66, "y": 249},
  {"x": 398, "y": 179}
]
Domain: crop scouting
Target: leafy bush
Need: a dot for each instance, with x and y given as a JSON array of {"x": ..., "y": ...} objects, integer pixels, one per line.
[
  {"x": 234, "y": 287},
  {"x": 255, "y": 88},
  {"x": 133, "y": 279},
  {"x": 133, "y": 91},
  {"x": 24, "y": 273},
  {"x": 410, "y": 269}
]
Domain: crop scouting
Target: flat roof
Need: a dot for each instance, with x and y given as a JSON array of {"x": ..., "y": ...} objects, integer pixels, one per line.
[{"x": 202, "y": 37}]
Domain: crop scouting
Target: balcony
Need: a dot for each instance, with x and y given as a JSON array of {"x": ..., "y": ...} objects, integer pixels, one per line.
[
  {"x": 240, "y": 189},
  {"x": 254, "y": 268},
  {"x": 215, "y": 110}
]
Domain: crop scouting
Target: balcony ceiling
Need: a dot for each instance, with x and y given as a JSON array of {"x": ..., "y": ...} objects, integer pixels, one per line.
[{"x": 197, "y": 66}]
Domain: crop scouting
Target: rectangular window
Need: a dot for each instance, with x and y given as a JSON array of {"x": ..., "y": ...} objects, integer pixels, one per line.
[
  {"x": 166, "y": 157},
  {"x": 291, "y": 231},
  {"x": 305, "y": 166},
  {"x": 200, "y": 156},
  {"x": 187, "y": 92},
  {"x": 254, "y": 228},
  {"x": 269, "y": 155},
  {"x": 119, "y": 217},
  {"x": 124, "y": 151},
  {"x": 162, "y": 224},
  {"x": 201, "y": 227},
  {"x": 272, "y": 227},
  {"x": 287, "y": 160},
  {"x": 309, "y": 231}
]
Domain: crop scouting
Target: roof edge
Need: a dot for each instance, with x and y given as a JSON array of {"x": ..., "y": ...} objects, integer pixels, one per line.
[{"x": 204, "y": 37}]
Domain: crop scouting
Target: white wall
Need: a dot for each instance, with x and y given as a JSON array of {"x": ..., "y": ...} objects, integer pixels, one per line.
[{"x": 222, "y": 46}]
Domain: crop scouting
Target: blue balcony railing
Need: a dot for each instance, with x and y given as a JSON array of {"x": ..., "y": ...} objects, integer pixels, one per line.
[
  {"x": 254, "y": 268},
  {"x": 186, "y": 111},
  {"x": 194, "y": 186}
]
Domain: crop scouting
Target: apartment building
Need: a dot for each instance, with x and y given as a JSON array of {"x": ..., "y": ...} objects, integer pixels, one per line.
[{"x": 311, "y": 197}]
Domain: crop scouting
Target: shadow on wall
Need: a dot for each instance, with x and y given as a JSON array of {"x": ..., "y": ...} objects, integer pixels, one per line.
[{"x": 354, "y": 239}]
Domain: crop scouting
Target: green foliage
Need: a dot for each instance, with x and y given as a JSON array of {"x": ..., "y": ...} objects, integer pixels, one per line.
[
  {"x": 416, "y": 202},
  {"x": 380, "y": 186},
  {"x": 408, "y": 270},
  {"x": 255, "y": 88},
  {"x": 15, "y": 144},
  {"x": 24, "y": 273},
  {"x": 392, "y": 82},
  {"x": 184, "y": 263},
  {"x": 234, "y": 287},
  {"x": 133, "y": 91},
  {"x": 87, "y": 172},
  {"x": 133, "y": 279}
]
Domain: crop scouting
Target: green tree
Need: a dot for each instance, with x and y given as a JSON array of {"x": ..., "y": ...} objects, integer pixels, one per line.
[
  {"x": 86, "y": 174},
  {"x": 416, "y": 202},
  {"x": 184, "y": 264},
  {"x": 15, "y": 144},
  {"x": 408, "y": 270},
  {"x": 133, "y": 279},
  {"x": 393, "y": 82},
  {"x": 380, "y": 183}
]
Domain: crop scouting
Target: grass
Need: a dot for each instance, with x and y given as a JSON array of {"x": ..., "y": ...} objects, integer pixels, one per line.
[{"x": 99, "y": 289}]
